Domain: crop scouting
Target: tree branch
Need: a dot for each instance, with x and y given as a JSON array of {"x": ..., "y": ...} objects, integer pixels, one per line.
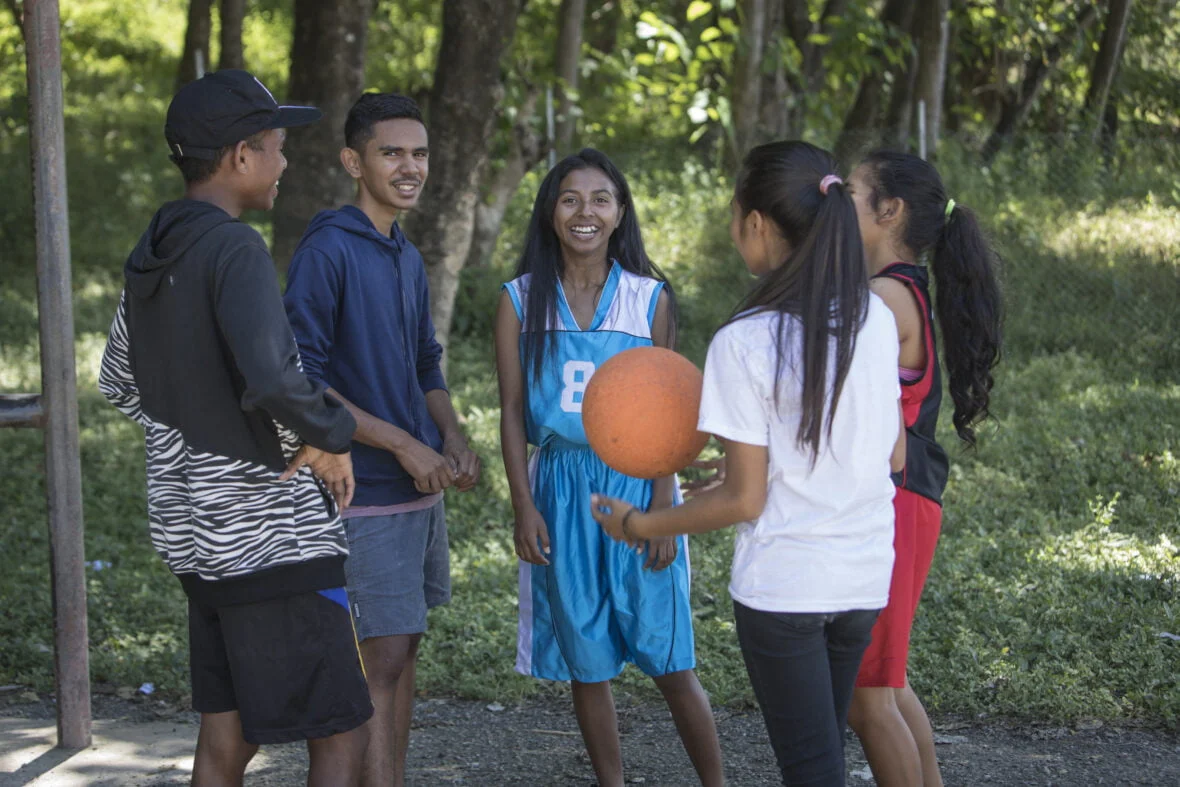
[{"x": 1016, "y": 108}]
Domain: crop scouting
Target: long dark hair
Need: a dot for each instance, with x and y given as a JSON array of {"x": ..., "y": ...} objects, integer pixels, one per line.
[
  {"x": 967, "y": 298},
  {"x": 542, "y": 259},
  {"x": 822, "y": 283}
]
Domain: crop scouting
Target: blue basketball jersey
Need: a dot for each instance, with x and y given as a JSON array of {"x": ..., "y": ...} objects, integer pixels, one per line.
[
  {"x": 623, "y": 320},
  {"x": 594, "y": 607}
]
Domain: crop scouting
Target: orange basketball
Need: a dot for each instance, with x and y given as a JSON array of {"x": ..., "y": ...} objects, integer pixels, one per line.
[{"x": 640, "y": 412}]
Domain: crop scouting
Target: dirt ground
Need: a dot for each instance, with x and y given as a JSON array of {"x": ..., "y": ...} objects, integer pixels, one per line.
[{"x": 146, "y": 742}]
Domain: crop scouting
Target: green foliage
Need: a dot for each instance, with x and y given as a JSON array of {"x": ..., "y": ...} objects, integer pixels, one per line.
[
  {"x": 1058, "y": 567},
  {"x": 1146, "y": 81},
  {"x": 403, "y": 43}
]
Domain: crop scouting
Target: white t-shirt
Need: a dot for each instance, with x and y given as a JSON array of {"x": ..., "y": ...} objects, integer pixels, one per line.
[{"x": 824, "y": 541}]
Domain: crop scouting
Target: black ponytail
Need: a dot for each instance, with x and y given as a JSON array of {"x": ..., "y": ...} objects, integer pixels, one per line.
[
  {"x": 969, "y": 309},
  {"x": 822, "y": 283},
  {"x": 967, "y": 299}
]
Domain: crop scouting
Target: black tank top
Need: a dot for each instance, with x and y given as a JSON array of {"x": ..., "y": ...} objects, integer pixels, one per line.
[{"x": 926, "y": 463}]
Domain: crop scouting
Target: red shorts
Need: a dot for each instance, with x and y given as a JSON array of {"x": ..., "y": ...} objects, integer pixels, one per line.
[{"x": 917, "y": 521}]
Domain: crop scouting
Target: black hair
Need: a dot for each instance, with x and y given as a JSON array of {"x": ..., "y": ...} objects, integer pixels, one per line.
[
  {"x": 542, "y": 260},
  {"x": 968, "y": 301},
  {"x": 199, "y": 170},
  {"x": 822, "y": 283},
  {"x": 372, "y": 108}
]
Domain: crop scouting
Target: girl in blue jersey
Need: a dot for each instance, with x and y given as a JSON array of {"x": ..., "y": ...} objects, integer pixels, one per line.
[
  {"x": 584, "y": 291},
  {"x": 801, "y": 388}
]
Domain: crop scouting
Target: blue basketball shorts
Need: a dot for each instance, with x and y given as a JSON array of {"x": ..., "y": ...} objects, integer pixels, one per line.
[{"x": 595, "y": 607}]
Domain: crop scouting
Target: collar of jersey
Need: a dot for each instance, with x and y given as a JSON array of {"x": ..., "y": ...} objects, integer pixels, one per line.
[{"x": 608, "y": 295}]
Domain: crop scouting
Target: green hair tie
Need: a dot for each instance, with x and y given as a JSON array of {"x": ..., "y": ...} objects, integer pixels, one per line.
[{"x": 950, "y": 206}]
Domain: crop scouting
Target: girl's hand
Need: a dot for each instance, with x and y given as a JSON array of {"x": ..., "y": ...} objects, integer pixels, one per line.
[
  {"x": 660, "y": 552},
  {"x": 529, "y": 530},
  {"x": 704, "y": 484},
  {"x": 609, "y": 512}
]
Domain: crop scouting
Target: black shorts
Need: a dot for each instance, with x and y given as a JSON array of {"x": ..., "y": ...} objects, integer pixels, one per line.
[{"x": 289, "y": 666}]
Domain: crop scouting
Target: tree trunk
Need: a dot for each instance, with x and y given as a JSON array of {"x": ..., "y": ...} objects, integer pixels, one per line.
[
  {"x": 774, "y": 115},
  {"x": 475, "y": 35},
  {"x": 799, "y": 27},
  {"x": 568, "y": 61},
  {"x": 1016, "y": 108},
  {"x": 931, "y": 29},
  {"x": 232, "y": 13},
  {"x": 747, "y": 74},
  {"x": 526, "y": 149},
  {"x": 1110, "y": 52},
  {"x": 1109, "y": 130},
  {"x": 194, "y": 61},
  {"x": 602, "y": 30},
  {"x": 813, "y": 53},
  {"x": 901, "y": 103},
  {"x": 863, "y": 119},
  {"x": 327, "y": 71}
]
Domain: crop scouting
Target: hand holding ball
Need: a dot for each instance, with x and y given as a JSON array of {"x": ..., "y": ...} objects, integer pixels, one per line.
[{"x": 640, "y": 412}]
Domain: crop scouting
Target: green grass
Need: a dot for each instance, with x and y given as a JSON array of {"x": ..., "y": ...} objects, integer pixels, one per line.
[{"x": 1060, "y": 556}]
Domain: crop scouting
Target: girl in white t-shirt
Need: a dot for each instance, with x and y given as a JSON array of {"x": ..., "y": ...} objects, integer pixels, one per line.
[{"x": 801, "y": 388}]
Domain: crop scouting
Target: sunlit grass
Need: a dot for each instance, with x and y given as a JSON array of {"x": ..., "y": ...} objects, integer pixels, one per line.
[{"x": 1146, "y": 230}]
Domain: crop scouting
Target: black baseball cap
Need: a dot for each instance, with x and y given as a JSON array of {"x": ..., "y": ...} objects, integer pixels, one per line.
[{"x": 223, "y": 108}]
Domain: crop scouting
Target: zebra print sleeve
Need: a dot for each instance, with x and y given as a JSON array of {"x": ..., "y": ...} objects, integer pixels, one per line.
[{"x": 115, "y": 378}]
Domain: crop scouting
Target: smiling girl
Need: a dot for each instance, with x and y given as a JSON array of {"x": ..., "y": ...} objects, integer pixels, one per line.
[{"x": 584, "y": 291}]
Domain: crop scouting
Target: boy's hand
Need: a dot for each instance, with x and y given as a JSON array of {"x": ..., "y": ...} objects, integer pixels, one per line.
[
  {"x": 661, "y": 552},
  {"x": 431, "y": 471},
  {"x": 335, "y": 470},
  {"x": 529, "y": 530},
  {"x": 705, "y": 483},
  {"x": 463, "y": 459}
]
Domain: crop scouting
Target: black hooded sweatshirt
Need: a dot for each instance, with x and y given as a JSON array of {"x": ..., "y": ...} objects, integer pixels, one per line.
[{"x": 202, "y": 355}]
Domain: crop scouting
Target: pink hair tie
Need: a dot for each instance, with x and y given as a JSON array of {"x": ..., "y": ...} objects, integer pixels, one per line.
[{"x": 828, "y": 181}]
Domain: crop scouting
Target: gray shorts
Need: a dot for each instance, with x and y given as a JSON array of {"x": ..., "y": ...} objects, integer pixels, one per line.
[{"x": 398, "y": 567}]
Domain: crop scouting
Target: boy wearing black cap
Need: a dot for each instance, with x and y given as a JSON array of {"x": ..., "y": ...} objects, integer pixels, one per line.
[{"x": 248, "y": 462}]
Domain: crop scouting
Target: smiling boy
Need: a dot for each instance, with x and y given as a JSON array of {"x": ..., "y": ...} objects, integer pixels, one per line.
[
  {"x": 358, "y": 302},
  {"x": 201, "y": 355}
]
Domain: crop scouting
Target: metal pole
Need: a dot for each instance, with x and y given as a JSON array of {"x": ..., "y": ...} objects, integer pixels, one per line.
[
  {"x": 18, "y": 410},
  {"x": 922, "y": 128},
  {"x": 63, "y": 471}
]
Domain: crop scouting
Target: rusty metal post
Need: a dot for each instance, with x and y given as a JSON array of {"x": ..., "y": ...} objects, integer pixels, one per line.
[{"x": 63, "y": 470}]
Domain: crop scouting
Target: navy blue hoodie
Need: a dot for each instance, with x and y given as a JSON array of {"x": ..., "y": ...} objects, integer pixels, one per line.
[{"x": 359, "y": 305}]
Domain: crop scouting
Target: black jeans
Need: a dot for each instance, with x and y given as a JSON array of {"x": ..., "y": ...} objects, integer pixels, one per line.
[{"x": 803, "y": 667}]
